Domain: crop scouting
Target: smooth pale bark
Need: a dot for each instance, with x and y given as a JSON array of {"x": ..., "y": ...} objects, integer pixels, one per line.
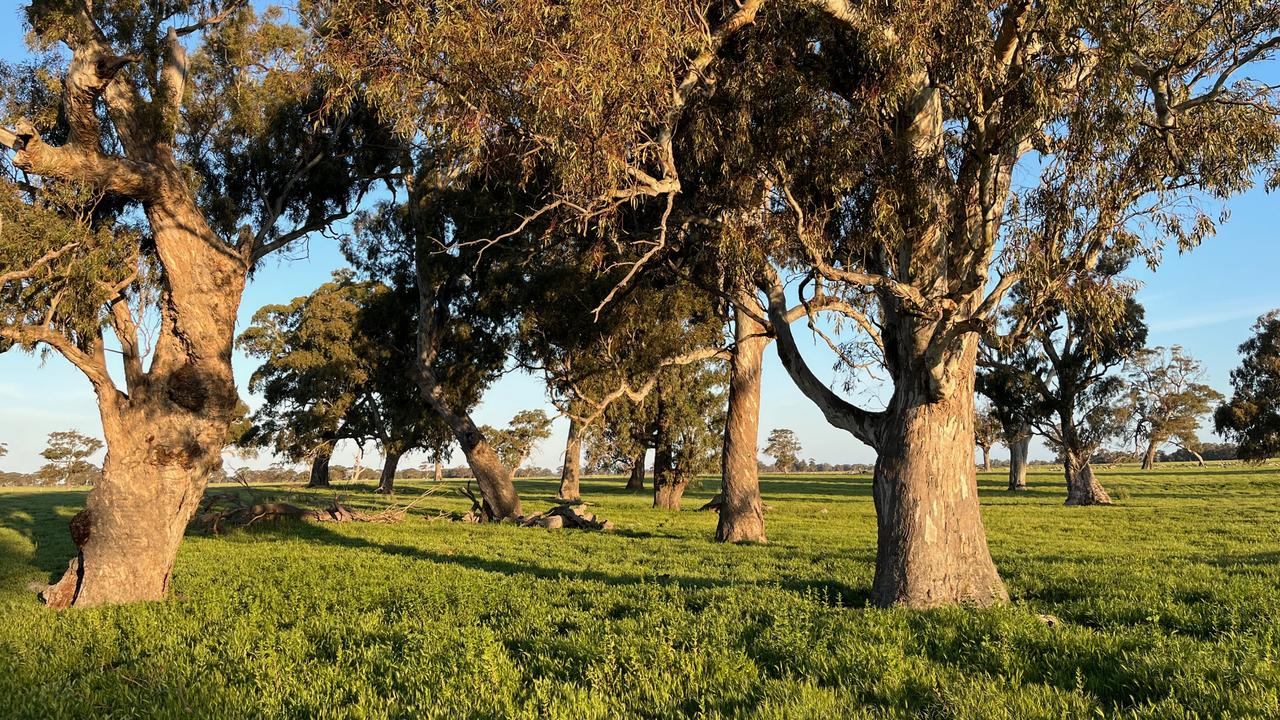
[
  {"x": 1083, "y": 487},
  {"x": 387, "y": 480},
  {"x": 439, "y": 472},
  {"x": 741, "y": 509},
  {"x": 636, "y": 480},
  {"x": 986, "y": 456},
  {"x": 320, "y": 469},
  {"x": 570, "y": 474},
  {"x": 1019, "y": 447}
]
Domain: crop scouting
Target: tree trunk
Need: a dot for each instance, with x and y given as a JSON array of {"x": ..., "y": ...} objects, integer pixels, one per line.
[
  {"x": 570, "y": 473},
  {"x": 1199, "y": 458},
  {"x": 742, "y": 511},
  {"x": 668, "y": 482},
  {"x": 439, "y": 472},
  {"x": 1149, "y": 457},
  {"x": 986, "y": 457},
  {"x": 636, "y": 481},
  {"x": 157, "y": 466},
  {"x": 1082, "y": 487},
  {"x": 1018, "y": 450},
  {"x": 387, "y": 481},
  {"x": 932, "y": 546},
  {"x": 320, "y": 469}
]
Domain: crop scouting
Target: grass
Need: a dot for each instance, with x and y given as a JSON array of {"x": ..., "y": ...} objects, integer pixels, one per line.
[{"x": 1169, "y": 605}]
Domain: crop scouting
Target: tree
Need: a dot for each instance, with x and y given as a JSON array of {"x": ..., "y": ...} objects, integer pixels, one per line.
[
  {"x": 516, "y": 442},
  {"x": 888, "y": 140},
  {"x": 688, "y": 428},
  {"x": 1167, "y": 398},
  {"x": 153, "y": 181},
  {"x": 1011, "y": 381},
  {"x": 784, "y": 448},
  {"x": 68, "y": 453},
  {"x": 1252, "y": 416},
  {"x": 1081, "y": 347},
  {"x": 987, "y": 431}
]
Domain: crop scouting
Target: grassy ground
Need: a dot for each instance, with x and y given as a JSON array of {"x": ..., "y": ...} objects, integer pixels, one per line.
[{"x": 1169, "y": 605}]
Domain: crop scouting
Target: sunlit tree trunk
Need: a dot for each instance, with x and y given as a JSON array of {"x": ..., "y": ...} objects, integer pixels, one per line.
[
  {"x": 1149, "y": 457},
  {"x": 570, "y": 474},
  {"x": 741, "y": 510}
]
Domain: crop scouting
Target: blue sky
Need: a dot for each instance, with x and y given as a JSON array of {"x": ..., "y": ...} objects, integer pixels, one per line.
[{"x": 1205, "y": 301}]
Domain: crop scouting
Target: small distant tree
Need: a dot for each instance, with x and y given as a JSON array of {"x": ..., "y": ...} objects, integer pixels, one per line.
[
  {"x": 987, "y": 431},
  {"x": 516, "y": 443},
  {"x": 1167, "y": 398},
  {"x": 1012, "y": 382},
  {"x": 68, "y": 454},
  {"x": 784, "y": 448},
  {"x": 1252, "y": 416}
]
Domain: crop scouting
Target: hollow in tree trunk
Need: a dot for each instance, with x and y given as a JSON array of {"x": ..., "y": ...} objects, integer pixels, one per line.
[
  {"x": 636, "y": 480},
  {"x": 741, "y": 509},
  {"x": 932, "y": 546},
  {"x": 571, "y": 472},
  {"x": 1018, "y": 450},
  {"x": 1082, "y": 487},
  {"x": 387, "y": 481},
  {"x": 320, "y": 469}
]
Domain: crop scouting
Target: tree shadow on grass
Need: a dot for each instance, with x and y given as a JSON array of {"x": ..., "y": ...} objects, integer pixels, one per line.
[
  {"x": 831, "y": 592},
  {"x": 41, "y": 516}
]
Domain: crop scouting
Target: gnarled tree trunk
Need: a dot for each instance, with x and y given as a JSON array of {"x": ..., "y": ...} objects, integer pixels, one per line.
[
  {"x": 932, "y": 546},
  {"x": 387, "y": 480},
  {"x": 741, "y": 509},
  {"x": 320, "y": 469},
  {"x": 636, "y": 480},
  {"x": 570, "y": 473},
  {"x": 668, "y": 482},
  {"x": 1082, "y": 487},
  {"x": 1019, "y": 447}
]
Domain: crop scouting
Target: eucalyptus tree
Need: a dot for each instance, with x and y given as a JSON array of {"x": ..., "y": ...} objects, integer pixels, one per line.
[
  {"x": 784, "y": 448},
  {"x": 889, "y": 138},
  {"x": 1167, "y": 397},
  {"x": 987, "y": 431},
  {"x": 1252, "y": 416},
  {"x": 191, "y": 118},
  {"x": 1011, "y": 382}
]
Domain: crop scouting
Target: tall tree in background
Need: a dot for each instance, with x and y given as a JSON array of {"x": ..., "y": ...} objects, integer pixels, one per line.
[
  {"x": 987, "y": 431},
  {"x": 1167, "y": 398},
  {"x": 1252, "y": 416},
  {"x": 784, "y": 448},
  {"x": 688, "y": 428},
  {"x": 1012, "y": 383},
  {"x": 516, "y": 442},
  {"x": 1085, "y": 398},
  {"x": 890, "y": 137},
  {"x": 207, "y": 157},
  {"x": 68, "y": 453}
]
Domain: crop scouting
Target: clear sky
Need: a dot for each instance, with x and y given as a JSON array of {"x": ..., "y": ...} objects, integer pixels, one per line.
[{"x": 1205, "y": 301}]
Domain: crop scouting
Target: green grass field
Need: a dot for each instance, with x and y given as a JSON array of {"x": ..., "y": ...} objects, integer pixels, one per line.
[{"x": 1169, "y": 606}]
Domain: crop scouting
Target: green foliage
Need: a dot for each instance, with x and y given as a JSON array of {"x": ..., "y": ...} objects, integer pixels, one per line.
[
  {"x": 431, "y": 619},
  {"x": 1252, "y": 416},
  {"x": 68, "y": 452},
  {"x": 516, "y": 442},
  {"x": 987, "y": 428},
  {"x": 1168, "y": 396},
  {"x": 784, "y": 448}
]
